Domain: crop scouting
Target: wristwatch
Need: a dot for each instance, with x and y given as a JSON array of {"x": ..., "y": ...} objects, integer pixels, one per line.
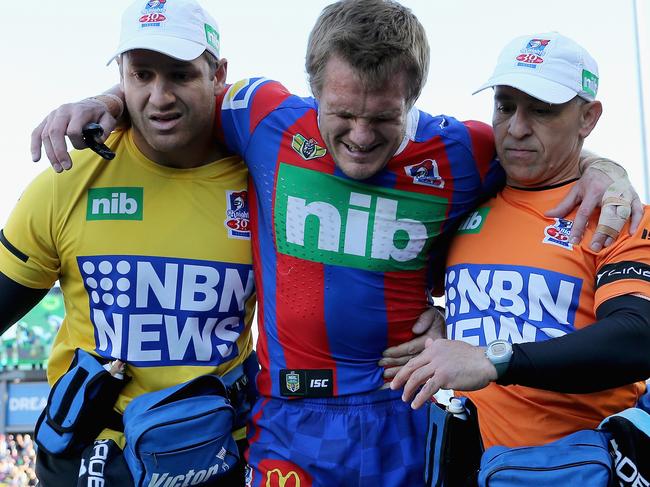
[{"x": 499, "y": 353}]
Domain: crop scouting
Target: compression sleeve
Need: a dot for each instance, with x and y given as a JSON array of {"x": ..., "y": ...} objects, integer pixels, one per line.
[
  {"x": 612, "y": 352},
  {"x": 15, "y": 301}
]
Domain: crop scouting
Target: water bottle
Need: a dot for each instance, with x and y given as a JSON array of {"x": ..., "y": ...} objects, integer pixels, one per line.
[{"x": 456, "y": 408}]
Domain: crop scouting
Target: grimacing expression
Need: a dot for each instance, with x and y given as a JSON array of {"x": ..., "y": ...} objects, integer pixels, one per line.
[
  {"x": 171, "y": 104},
  {"x": 361, "y": 127},
  {"x": 539, "y": 143}
]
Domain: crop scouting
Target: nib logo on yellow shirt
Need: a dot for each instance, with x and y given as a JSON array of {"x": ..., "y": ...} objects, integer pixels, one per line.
[{"x": 114, "y": 204}]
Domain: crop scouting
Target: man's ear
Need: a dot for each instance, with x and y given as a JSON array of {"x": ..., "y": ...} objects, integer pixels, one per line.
[
  {"x": 590, "y": 113},
  {"x": 220, "y": 76}
]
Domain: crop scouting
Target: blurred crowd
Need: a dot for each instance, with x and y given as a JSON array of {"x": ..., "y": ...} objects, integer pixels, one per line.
[{"x": 17, "y": 459}]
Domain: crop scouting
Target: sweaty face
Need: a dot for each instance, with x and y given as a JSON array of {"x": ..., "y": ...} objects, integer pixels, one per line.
[
  {"x": 171, "y": 104},
  {"x": 361, "y": 128},
  {"x": 538, "y": 143}
]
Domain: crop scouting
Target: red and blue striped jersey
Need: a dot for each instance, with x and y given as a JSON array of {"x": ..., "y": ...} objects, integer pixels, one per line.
[{"x": 341, "y": 265}]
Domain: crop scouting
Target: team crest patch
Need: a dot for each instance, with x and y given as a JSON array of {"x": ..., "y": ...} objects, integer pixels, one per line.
[
  {"x": 152, "y": 13},
  {"x": 533, "y": 53},
  {"x": 425, "y": 173},
  {"x": 558, "y": 233},
  {"x": 308, "y": 149},
  {"x": 237, "y": 215},
  {"x": 154, "y": 6},
  {"x": 292, "y": 381}
]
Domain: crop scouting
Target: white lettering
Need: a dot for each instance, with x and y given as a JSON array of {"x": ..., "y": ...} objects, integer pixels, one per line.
[
  {"x": 234, "y": 288},
  {"x": 106, "y": 333},
  {"x": 138, "y": 336},
  {"x": 148, "y": 279},
  {"x": 101, "y": 205},
  {"x": 387, "y": 225},
  {"x": 224, "y": 333},
  {"x": 329, "y": 223},
  {"x": 128, "y": 205},
  {"x": 474, "y": 292},
  {"x": 539, "y": 295},
  {"x": 199, "y": 281},
  {"x": 506, "y": 286},
  {"x": 178, "y": 345}
]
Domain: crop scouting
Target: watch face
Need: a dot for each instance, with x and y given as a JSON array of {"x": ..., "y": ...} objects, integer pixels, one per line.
[{"x": 499, "y": 349}]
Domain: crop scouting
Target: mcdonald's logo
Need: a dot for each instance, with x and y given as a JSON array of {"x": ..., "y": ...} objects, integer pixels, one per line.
[
  {"x": 283, "y": 473},
  {"x": 275, "y": 478}
]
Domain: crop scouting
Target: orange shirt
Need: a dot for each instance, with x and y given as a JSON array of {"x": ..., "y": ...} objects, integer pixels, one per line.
[{"x": 513, "y": 275}]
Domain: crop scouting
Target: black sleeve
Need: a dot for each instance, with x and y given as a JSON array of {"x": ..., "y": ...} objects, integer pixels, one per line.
[
  {"x": 612, "y": 352},
  {"x": 15, "y": 301}
]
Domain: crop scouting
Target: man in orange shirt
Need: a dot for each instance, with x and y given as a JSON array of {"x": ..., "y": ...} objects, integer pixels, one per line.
[{"x": 549, "y": 336}]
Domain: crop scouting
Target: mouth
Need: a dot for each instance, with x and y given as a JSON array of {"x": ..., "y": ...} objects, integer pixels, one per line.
[
  {"x": 359, "y": 152},
  {"x": 164, "y": 121}
]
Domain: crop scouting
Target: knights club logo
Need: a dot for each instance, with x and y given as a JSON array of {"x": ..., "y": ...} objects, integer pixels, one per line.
[
  {"x": 237, "y": 220},
  {"x": 426, "y": 174},
  {"x": 308, "y": 149},
  {"x": 292, "y": 381},
  {"x": 558, "y": 233}
]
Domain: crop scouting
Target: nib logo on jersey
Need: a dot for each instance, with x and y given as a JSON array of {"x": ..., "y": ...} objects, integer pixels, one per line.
[
  {"x": 332, "y": 220},
  {"x": 515, "y": 303},
  {"x": 152, "y": 311}
]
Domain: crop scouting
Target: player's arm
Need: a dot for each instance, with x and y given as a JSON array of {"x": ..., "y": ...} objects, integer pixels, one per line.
[
  {"x": 69, "y": 119},
  {"x": 15, "y": 301}
]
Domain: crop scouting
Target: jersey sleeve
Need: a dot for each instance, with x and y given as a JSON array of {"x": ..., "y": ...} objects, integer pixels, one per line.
[
  {"x": 241, "y": 108},
  {"x": 493, "y": 177},
  {"x": 28, "y": 253},
  {"x": 624, "y": 267}
]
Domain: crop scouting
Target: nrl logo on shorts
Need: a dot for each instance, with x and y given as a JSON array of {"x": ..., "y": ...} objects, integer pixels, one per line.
[
  {"x": 292, "y": 381},
  {"x": 308, "y": 149}
]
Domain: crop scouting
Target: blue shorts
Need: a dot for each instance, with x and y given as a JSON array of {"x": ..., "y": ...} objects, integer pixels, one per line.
[{"x": 371, "y": 439}]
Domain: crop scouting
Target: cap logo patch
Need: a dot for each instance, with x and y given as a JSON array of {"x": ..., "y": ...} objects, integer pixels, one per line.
[
  {"x": 153, "y": 6},
  {"x": 589, "y": 83},
  {"x": 212, "y": 37},
  {"x": 533, "y": 53}
]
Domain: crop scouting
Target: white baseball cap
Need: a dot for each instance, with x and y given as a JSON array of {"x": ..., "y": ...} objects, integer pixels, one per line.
[
  {"x": 181, "y": 29},
  {"x": 549, "y": 67}
]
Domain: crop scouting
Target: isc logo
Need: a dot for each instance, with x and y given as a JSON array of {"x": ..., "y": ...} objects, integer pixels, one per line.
[
  {"x": 350, "y": 224},
  {"x": 319, "y": 383},
  {"x": 114, "y": 204}
]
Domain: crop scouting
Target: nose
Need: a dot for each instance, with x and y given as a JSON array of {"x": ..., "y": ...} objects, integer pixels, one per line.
[
  {"x": 519, "y": 125},
  {"x": 161, "y": 94},
  {"x": 361, "y": 133}
]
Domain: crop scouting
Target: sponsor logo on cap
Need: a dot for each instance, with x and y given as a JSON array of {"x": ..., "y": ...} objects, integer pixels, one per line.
[
  {"x": 212, "y": 37},
  {"x": 533, "y": 53},
  {"x": 589, "y": 83},
  {"x": 154, "y": 6}
]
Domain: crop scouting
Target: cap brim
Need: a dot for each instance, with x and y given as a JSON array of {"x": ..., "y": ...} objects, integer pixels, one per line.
[
  {"x": 181, "y": 49},
  {"x": 535, "y": 86}
]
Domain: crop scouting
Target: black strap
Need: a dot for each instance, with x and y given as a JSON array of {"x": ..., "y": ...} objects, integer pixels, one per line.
[{"x": 69, "y": 395}]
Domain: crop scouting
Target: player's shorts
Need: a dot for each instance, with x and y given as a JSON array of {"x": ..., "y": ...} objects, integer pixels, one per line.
[{"x": 371, "y": 439}]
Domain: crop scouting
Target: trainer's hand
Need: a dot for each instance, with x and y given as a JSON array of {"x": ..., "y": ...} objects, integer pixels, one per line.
[
  {"x": 430, "y": 324},
  {"x": 444, "y": 364},
  {"x": 68, "y": 120},
  {"x": 603, "y": 184}
]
